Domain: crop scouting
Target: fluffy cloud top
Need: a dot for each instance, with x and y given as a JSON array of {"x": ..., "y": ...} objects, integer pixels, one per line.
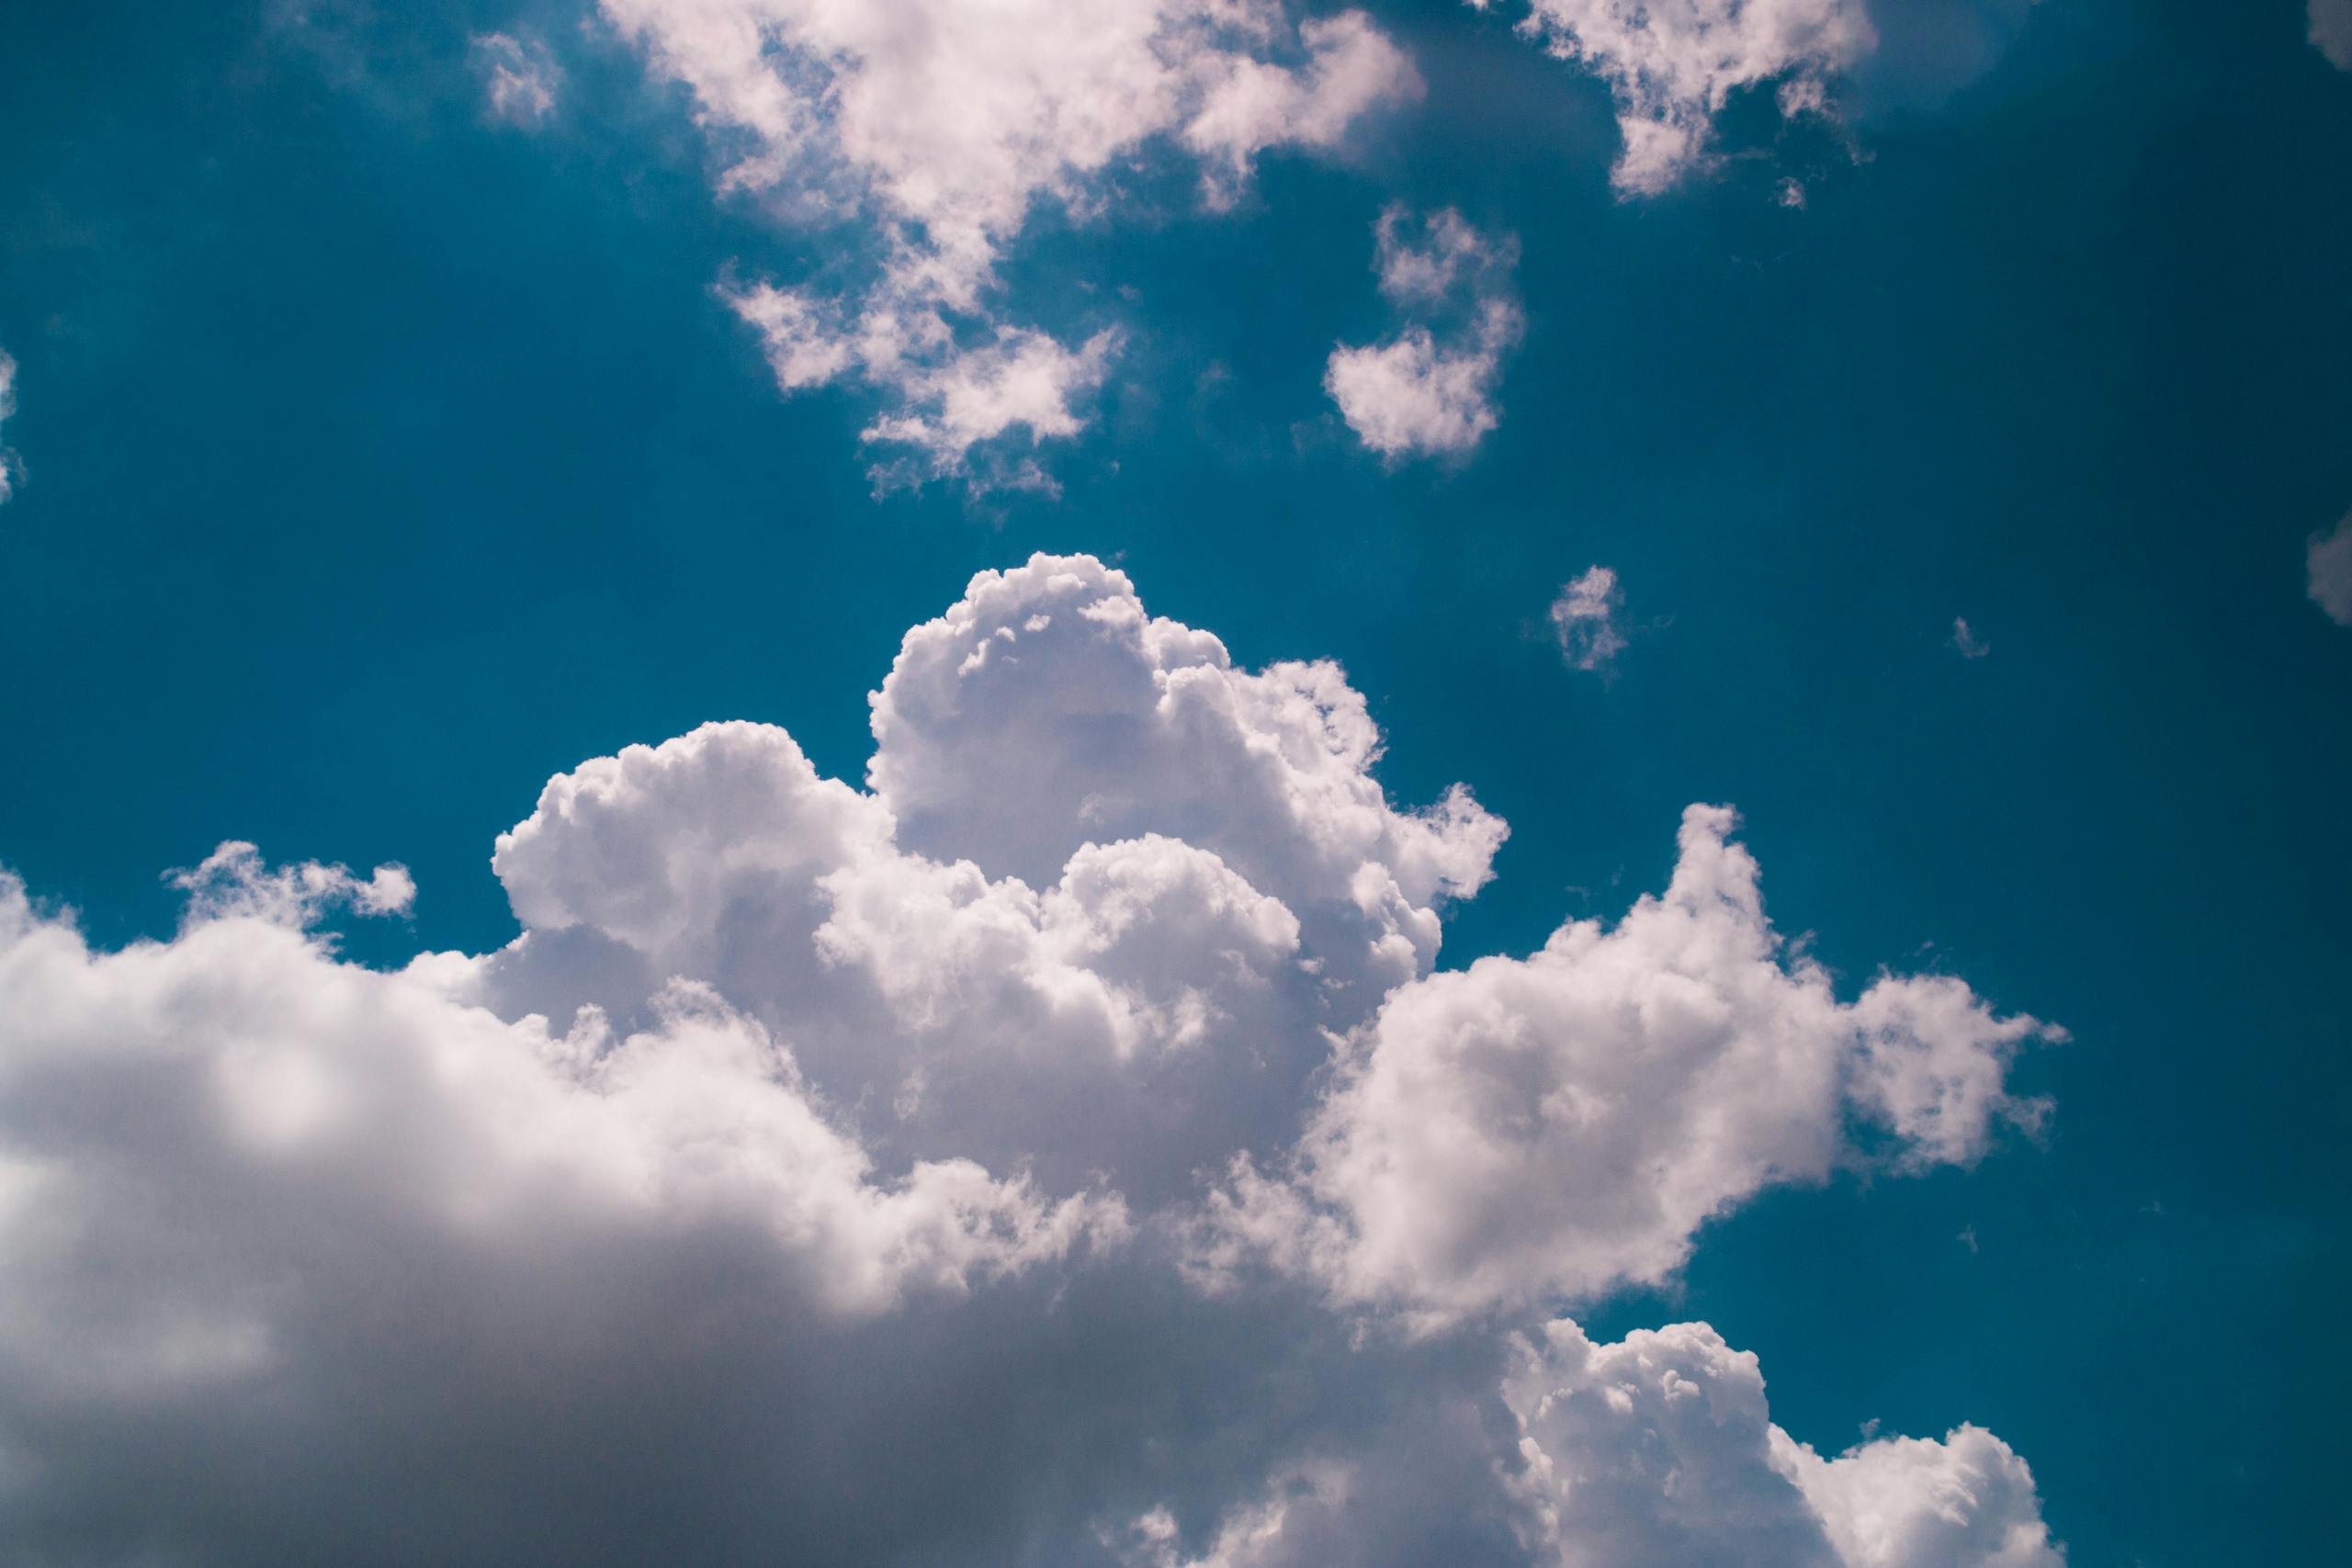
[
  {"x": 1660, "y": 1449},
  {"x": 1529, "y": 1129},
  {"x": 2327, "y": 566},
  {"x": 1430, "y": 390},
  {"x": 1584, "y": 618},
  {"x": 1672, "y": 64},
  {"x": 821, "y": 1171},
  {"x": 941, "y": 125}
]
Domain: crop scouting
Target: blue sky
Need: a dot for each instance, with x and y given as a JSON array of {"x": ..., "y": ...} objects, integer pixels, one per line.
[{"x": 380, "y": 453}]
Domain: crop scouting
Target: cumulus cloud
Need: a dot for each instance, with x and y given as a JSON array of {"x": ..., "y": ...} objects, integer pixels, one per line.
[
  {"x": 1103, "y": 896},
  {"x": 1965, "y": 640},
  {"x": 2331, "y": 29},
  {"x": 937, "y": 128},
  {"x": 520, "y": 79},
  {"x": 829, "y": 1171},
  {"x": 1430, "y": 390},
  {"x": 1673, "y": 64},
  {"x": 1529, "y": 1130},
  {"x": 8, "y": 408},
  {"x": 2327, "y": 566},
  {"x": 1660, "y": 1448},
  {"x": 1584, "y": 618}
]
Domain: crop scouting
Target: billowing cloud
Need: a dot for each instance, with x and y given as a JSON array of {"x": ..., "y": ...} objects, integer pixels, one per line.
[
  {"x": 936, "y": 127},
  {"x": 520, "y": 78},
  {"x": 1430, "y": 390},
  {"x": 2327, "y": 567},
  {"x": 2331, "y": 29},
  {"x": 825, "y": 1172},
  {"x": 1584, "y": 618},
  {"x": 1660, "y": 1448},
  {"x": 1673, "y": 64},
  {"x": 1547, "y": 1128}
]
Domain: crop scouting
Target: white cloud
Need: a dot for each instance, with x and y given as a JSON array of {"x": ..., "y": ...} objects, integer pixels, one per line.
[
  {"x": 938, "y": 127},
  {"x": 8, "y": 408},
  {"x": 213, "y": 1113},
  {"x": 520, "y": 79},
  {"x": 1529, "y": 1129},
  {"x": 2327, "y": 564},
  {"x": 1964, "y": 640},
  {"x": 1584, "y": 618},
  {"x": 804, "y": 1120},
  {"x": 1673, "y": 65},
  {"x": 234, "y": 881},
  {"x": 1660, "y": 1448},
  {"x": 2331, "y": 28},
  {"x": 1427, "y": 392},
  {"x": 1104, "y": 895}
]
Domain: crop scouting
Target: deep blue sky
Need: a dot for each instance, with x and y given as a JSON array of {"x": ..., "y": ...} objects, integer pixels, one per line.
[{"x": 381, "y": 462}]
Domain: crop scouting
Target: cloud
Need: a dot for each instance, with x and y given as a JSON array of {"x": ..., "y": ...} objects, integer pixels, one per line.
[
  {"x": 2327, "y": 565},
  {"x": 520, "y": 79},
  {"x": 822, "y": 1171},
  {"x": 1427, "y": 392},
  {"x": 1673, "y": 67},
  {"x": 2331, "y": 32},
  {"x": 8, "y": 408},
  {"x": 1660, "y": 1448},
  {"x": 1584, "y": 618},
  {"x": 1965, "y": 641},
  {"x": 933, "y": 131},
  {"x": 1532, "y": 1130},
  {"x": 235, "y": 882}
]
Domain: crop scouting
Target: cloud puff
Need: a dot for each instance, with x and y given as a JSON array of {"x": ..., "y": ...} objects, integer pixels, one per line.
[
  {"x": 2327, "y": 566},
  {"x": 824, "y": 1170},
  {"x": 1673, "y": 65},
  {"x": 519, "y": 79},
  {"x": 938, "y": 127},
  {"x": 1660, "y": 1449},
  {"x": 1529, "y": 1129},
  {"x": 1106, "y": 895},
  {"x": 2331, "y": 32},
  {"x": 1431, "y": 393},
  {"x": 1965, "y": 640},
  {"x": 234, "y": 881},
  {"x": 1584, "y": 618}
]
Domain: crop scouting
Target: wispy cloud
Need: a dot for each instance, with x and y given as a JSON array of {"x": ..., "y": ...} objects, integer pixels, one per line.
[
  {"x": 1430, "y": 391},
  {"x": 2331, "y": 32},
  {"x": 520, "y": 78},
  {"x": 1584, "y": 618},
  {"x": 7, "y": 409},
  {"x": 2327, "y": 566},
  {"x": 929, "y": 131}
]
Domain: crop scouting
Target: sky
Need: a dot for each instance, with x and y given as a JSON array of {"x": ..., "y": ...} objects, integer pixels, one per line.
[{"x": 1177, "y": 782}]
